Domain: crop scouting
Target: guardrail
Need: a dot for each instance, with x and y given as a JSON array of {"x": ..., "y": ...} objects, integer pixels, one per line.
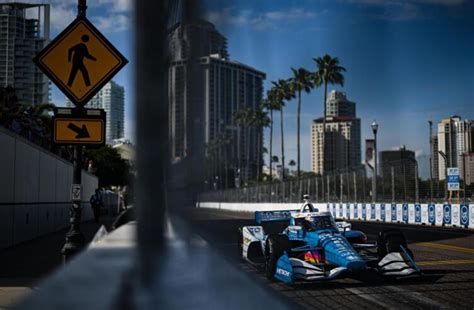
[{"x": 448, "y": 215}]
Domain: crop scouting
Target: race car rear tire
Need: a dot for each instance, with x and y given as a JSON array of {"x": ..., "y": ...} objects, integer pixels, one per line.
[
  {"x": 274, "y": 249},
  {"x": 389, "y": 241}
]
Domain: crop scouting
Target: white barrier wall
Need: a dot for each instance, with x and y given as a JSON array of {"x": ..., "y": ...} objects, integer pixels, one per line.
[
  {"x": 35, "y": 190},
  {"x": 448, "y": 215}
]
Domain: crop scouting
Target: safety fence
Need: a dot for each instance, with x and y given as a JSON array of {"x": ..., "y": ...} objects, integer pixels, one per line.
[
  {"x": 448, "y": 215},
  {"x": 397, "y": 181}
]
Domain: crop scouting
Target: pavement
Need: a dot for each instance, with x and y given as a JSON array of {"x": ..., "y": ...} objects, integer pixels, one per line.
[
  {"x": 445, "y": 256},
  {"x": 25, "y": 264}
]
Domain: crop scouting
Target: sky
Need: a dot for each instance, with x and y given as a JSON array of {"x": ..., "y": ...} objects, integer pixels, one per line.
[{"x": 407, "y": 61}]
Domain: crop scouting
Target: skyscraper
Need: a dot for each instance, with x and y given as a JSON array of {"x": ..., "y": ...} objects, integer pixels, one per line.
[
  {"x": 24, "y": 31},
  {"x": 342, "y": 140},
  {"x": 205, "y": 89},
  {"x": 337, "y": 105},
  {"x": 455, "y": 137},
  {"x": 110, "y": 98}
]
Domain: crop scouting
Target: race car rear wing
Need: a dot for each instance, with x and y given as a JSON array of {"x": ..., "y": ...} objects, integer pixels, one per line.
[{"x": 274, "y": 216}]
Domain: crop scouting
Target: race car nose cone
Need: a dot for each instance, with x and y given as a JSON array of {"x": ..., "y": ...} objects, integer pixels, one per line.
[{"x": 339, "y": 252}]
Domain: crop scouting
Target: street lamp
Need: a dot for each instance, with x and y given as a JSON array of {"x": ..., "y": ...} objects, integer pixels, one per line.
[
  {"x": 375, "y": 127},
  {"x": 445, "y": 158}
]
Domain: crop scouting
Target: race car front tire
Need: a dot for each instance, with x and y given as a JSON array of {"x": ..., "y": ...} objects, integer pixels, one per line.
[
  {"x": 274, "y": 248},
  {"x": 240, "y": 241},
  {"x": 390, "y": 241}
]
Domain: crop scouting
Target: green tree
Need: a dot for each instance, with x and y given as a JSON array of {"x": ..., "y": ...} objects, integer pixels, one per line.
[
  {"x": 110, "y": 168},
  {"x": 283, "y": 91},
  {"x": 328, "y": 71},
  {"x": 301, "y": 81}
]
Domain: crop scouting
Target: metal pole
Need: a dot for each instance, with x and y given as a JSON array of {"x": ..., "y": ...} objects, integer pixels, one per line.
[
  {"x": 445, "y": 158},
  {"x": 327, "y": 182},
  {"x": 74, "y": 237},
  {"x": 81, "y": 8},
  {"x": 341, "y": 186},
  {"x": 416, "y": 183},
  {"x": 392, "y": 171},
  {"x": 354, "y": 175},
  {"x": 464, "y": 176},
  {"x": 431, "y": 160},
  {"x": 404, "y": 182},
  {"x": 374, "y": 184},
  {"x": 317, "y": 189},
  {"x": 363, "y": 185}
]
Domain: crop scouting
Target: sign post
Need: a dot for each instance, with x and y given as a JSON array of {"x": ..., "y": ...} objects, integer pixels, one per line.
[
  {"x": 453, "y": 180},
  {"x": 80, "y": 61}
]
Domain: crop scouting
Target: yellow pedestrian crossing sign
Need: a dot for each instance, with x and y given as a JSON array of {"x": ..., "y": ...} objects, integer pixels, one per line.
[{"x": 80, "y": 61}]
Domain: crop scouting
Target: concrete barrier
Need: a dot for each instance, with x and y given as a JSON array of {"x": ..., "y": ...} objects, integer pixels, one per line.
[
  {"x": 447, "y": 215},
  {"x": 35, "y": 191}
]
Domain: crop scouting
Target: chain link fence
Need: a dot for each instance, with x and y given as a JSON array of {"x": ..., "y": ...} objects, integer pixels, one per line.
[{"x": 397, "y": 181}]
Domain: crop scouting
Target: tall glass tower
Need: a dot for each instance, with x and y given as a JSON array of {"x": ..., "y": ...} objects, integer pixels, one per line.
[
  {"x": 24, "y": 32},
  {"x": 111, "y": 98}
]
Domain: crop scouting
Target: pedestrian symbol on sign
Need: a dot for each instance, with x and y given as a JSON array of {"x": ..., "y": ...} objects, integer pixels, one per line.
[{"x": 78, "y": 52}]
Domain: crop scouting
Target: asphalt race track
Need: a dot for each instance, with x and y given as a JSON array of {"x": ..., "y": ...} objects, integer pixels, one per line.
[{"x": 445, "y": 256}]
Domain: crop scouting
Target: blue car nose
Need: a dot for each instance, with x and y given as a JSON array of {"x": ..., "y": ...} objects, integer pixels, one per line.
[{"x": 339, "y": 252}]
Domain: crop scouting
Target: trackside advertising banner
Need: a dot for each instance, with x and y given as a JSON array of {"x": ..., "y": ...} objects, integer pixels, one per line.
[{"x": 447, "y": 215}]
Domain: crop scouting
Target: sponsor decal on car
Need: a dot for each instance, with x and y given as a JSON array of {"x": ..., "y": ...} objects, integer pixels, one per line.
[{"x": 283, "y": 272}]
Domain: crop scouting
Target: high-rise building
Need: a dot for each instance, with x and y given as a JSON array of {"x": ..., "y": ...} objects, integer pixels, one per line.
[
  {"x": 111, "y": 98},
  {"x": 24, "y": 32},
  {"x": 455, "y": 137},
  {"x": 342, "y": 140},
  {"x": 467, "y": 171},
  {"x": 205, "y": 89},
  {"x": 342, "y": 144},
  {"x": 402, "y": 160},
  {"x": 338, "y": 105},
  {"x": 196, "y": 39}
]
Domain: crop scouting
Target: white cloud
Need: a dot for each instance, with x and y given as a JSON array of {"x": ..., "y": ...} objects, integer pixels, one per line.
[
  {"x": 112, "y": 23},
  {"x": 117, "y": 6},
  {"x": 114, "y": 19},
  {"x": 61, "y": 16},
  {"x": 419, "y": 153},
  {"x": 258, "y": 20}
]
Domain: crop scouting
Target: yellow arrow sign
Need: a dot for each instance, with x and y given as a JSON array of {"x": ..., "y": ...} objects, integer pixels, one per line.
[
  {"x": 80, "y": 61},
  {"x": 79, "y": 131}
]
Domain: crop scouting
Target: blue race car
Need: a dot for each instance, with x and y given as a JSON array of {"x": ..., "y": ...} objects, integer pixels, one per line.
[{"x": 314, "y": 247}]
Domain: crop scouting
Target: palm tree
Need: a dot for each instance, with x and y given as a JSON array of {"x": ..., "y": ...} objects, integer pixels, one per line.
[
  {"x": 301, "y": 81},
  {"x": 259, "y": 120},
  {"x": 271, "y": 103},
  {"x": 283, "y": 91},
  {"x": 243, "y": 118},
  {"x": 220, "y": 144},
  {"x": 292, "y": 163},
  {"x": 328, "y": 72}
]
